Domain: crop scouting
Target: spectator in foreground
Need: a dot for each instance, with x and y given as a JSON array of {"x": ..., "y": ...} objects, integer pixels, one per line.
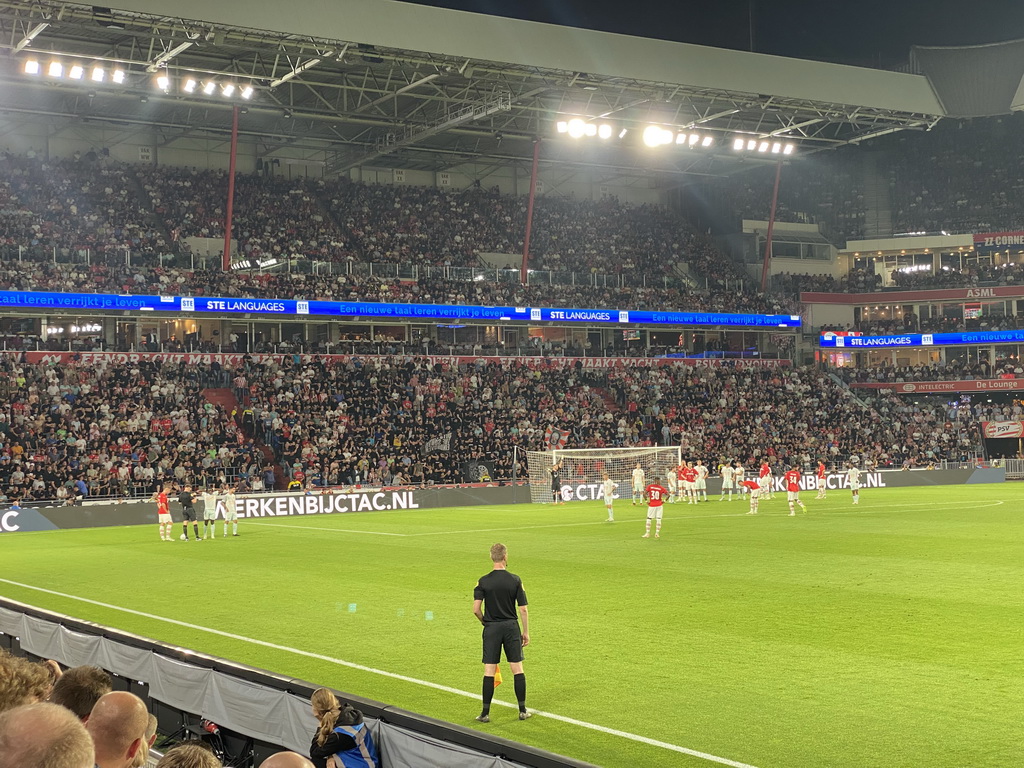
[
  {"x": 286, "y": 760},
  {"x": 118, "y": 725},
  {"x": 142, "y": 756},
  {"x": 43, "y": 736},
  {"x": 192, "y": 755},
  {"x": 80, "y": 688},
  {"x": 22, "y": 681}
]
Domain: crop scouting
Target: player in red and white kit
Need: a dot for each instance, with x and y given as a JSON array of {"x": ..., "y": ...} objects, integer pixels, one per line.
[
  {"x": 689, "y": 475},
  {"x": 655, "y": 495},
  {"x": 755, "y": 491},
  {"x": 819, "y": 479},
  {"x": 792, "y": 482},
  {"x": 764, "y": 480},
  {"x": 163, "y": 514}
]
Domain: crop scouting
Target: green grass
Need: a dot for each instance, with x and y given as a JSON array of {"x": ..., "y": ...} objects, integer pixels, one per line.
[{"x": 885, "y": 634}]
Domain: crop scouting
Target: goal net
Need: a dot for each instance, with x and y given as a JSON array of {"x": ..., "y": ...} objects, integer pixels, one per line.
[{"x": 583, "y": 470}]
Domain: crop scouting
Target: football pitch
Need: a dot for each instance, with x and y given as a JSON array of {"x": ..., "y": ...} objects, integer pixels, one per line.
[{"x": 884, "y": 634}]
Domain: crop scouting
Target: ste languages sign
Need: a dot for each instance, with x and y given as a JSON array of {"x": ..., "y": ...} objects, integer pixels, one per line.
[{"x": 930, "y": 387}]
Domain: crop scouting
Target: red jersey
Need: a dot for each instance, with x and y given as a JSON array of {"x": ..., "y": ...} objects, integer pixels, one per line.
[
  {"x": 689, "y": 474},
  {"x": 821, "y": 471},
  {"x": 765, "y": 470},
  {"x": 792, "y": 480},
  {"x": 656, "y": 495},
  {"x": 751, "y": 484},
  {"x": 161, "y": 503}
]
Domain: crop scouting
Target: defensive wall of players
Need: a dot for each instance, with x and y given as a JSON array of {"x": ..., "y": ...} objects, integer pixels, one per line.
[{"x": 254, "y": 506}]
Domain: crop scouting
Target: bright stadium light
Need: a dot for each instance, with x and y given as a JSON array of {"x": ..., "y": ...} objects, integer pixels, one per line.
[
  {"x": 762, "y": 147},
  {"x": 118, "y": 76},
  {"x": 752, "y": 145},
  {"x": 738, "y": 143},
  {"x": 77, "y": 72},
  {"x": 776, "y": 148},
  {"x": 681, "y": 138},
  {"x": 246, "y": 92},
  {"x": 694, "y": 138},
  {"x": 790, "y": 148},
  {"x": 98, "y": 75},
  {"x": 655, "y": 136},
  {"x": 32, "y": 67},
  {"x": 209, "y": 87},
  {"x": 708, "y": 141},
  {"x": 163, "y": 82},
  {"x": 228, "y": 89},
  {"x": 56, "y": 69},
  {"x": 189, "y": 86},
  {"x": 590, "y": 129},
  {"x": 604, "y": 131},
  {"x": 562, "y": 126},
  {"x": 623, "y": 132},
  {"x": 577, "y": 128}
]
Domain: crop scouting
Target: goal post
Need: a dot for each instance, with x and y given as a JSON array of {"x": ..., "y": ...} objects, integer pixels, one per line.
[{"x": 583, "y": 470}]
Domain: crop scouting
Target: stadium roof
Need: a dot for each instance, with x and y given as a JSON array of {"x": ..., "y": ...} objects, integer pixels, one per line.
[{"x": 377, "y": 82}]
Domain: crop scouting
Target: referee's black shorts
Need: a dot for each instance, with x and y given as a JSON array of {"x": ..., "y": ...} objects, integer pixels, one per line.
[
  {"x": 188, "y": 513},
  {"x": 503, "y": 634}
]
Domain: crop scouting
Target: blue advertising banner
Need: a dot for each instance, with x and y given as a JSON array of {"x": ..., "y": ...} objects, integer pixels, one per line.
[
  {"x": 833, "y": 341},
  {"x": 290, "y": 307}
]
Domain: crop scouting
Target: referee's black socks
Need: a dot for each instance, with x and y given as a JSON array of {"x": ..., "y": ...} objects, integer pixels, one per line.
[
  {"x": 488, "y": 694},
  {"x": 519, "y": 681}
]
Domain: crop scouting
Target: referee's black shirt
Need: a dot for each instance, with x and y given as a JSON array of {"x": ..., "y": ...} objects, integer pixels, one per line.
[{"x": 501, "y": 591}]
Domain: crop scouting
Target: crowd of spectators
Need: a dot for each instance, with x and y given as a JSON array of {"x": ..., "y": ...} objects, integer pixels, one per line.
[
  {"x": 968, "y": 277},
  {"x": 114, "y": 429},
  {"x": 957, "y": 370}
]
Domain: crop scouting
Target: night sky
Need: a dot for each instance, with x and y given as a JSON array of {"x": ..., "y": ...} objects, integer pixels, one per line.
[{"x": 863, "y": 32}]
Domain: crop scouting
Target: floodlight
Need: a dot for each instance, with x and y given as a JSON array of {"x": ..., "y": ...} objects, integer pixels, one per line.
[
  {"x": 776, "y": 148},
  {"x": 228, "y": 89},
  {"x": 163, "y": 82},
  {"x": 623, "y": 132},
  {"x": 118, "y": 76},
  {"x": 604, "y": 131},
  {"x": 680, "y": 138},
  {"x": 247, "y": 92},
  {"x": 738, "y": 144},
  {"x": 694, "y": 138},
  {"x": 209, "y": 87},
  {"x": 752, "y": 145},
  {"x": 762, "y": 147},
  {"x": 590, "y": 129},
  {"x": 98, "y": 74},
  {"x": 708, "y": 141},
  {"x": 32, "y": 67},
  {"x": 789, "y": 149},
  {"x": 562, "y": 127},
  {"x": 189, "y": 86},
  {"x": 77, "y": 72},
  {"x": 652, "y": 135},
  {"x": 56, "y": 69},
  {"x": 577, "y": 128}
]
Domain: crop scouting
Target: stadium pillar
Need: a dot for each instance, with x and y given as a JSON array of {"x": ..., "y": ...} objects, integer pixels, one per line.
[
  {"x": 226, "y": 260},
  {"x": 523, "y": 273},
  {"x": 771, "y": 227}
]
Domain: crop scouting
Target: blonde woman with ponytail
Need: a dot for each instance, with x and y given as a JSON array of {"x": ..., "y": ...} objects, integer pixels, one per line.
[{"x": 342, "y": 740}]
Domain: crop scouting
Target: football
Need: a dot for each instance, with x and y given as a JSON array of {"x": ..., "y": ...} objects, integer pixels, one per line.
[{"x": 183, "y": 537}]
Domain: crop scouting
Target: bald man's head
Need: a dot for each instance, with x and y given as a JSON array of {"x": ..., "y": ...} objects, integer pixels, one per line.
[
  {"x": 117, "y": 725},
  {"x": 286, "y": 760},
  {"x": 43, "y": 736}
]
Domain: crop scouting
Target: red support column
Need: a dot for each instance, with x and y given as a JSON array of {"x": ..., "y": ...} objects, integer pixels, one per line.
[
  {"x": 771, "y": 227},
  {"x": 523, "y": 275},
  {"x": 228, "y": 222}
]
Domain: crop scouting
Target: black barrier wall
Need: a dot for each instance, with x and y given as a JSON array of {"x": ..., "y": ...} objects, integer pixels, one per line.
[{"x": 381, "y": 500}]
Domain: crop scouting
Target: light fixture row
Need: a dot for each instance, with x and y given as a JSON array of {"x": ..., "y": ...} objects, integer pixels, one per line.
[
  {"x": 97, "y": 73},
  {"x": 578, "y": 129},
  {"x": 762, "y": 146}
]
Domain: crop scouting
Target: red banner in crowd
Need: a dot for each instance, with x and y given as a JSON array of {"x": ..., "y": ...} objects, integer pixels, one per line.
[
  {"x": 233, "y": 359},
  {"x": 930, "y": 387},
  {"x": 998, "y": 241},
  {"x": 1002, "y": 429}
]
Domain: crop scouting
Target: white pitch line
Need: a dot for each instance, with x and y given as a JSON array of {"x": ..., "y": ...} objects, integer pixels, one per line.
[
  {"x": 392, "y": 675},
  {"x": 331, "y": 530}
]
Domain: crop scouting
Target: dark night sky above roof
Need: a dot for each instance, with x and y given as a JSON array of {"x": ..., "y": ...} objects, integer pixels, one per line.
[{"x": 863, "y": 32}]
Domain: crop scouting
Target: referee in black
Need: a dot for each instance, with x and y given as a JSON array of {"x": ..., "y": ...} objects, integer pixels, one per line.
[
  {"x": 556, "y": 482},
  {"x": 494, "y": 604}
]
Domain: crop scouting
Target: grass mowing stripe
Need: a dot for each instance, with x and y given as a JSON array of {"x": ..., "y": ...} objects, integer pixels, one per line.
[
  {"x": 393, "y": 675},
  {"x": 332, "y": 530}
]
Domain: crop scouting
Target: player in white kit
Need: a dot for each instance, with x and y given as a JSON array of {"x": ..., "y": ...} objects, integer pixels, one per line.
[
  {"x": 728, "y": 480},
  {"x": 639, "y": 483},
  {"x": 853, "y": 476},
  {"x": 608, "y": 487},
  {"x": 227, "y": 498},
  {"x": 672, "y": 483},
  {"x": 210, "y": 513},
  {"x": 738, "y": 478},
  {"x": 701, "y": 488}
]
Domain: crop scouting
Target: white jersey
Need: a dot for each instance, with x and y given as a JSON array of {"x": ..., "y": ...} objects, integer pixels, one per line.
[
  {"x": 727, "y": 476},
  {"x": 853, "y": 476},
  {"x": 209, "y": 506},
  {"x": 639, "y": 479},
  {"x": 702, "y": 472},
  {"x": 608, "y": 489},
  {"x": 671, "y": 478},
  {"x": 228, "y": 499}
]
